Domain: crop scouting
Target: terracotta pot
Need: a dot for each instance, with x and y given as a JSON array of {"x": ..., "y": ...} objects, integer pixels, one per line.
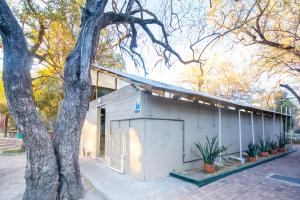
[
  {"x": 264, "y": 154},
  {"x": 251, "y": 159},
  {"x": 275, "y": 151},
  {"x": 283, "y": 149},
  {"x": 208, "y": 168}
]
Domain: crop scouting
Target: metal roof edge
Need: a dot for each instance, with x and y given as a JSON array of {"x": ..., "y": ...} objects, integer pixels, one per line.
[{"x": 134, "y": 79}]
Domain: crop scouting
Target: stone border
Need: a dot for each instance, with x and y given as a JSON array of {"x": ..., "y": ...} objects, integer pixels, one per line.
[{"x": 213, "y": 178}]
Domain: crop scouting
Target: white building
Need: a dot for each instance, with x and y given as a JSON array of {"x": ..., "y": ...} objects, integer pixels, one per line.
[{"x": 147, "y": 128}]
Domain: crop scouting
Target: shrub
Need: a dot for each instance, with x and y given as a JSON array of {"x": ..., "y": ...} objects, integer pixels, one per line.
[
  {"x": 282, "y": 140},
  {"x": 210, "y": 150},
  {"x": 264, "y": 146},
  {"x": 273, "y": 145},
  {"x": 253, "y": 150}
]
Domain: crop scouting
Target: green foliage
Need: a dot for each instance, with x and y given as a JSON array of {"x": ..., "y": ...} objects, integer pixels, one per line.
[
  {"x": 264, "y": 146},
  {"x": 48, "y": 92},
  {"x": 273, "y": 145},
  {"x": 282, "y": 140},
  {"x": 14, "y": 151},
  {"x": 210, "y": 150},
  {"x": 3, "y": 104},
  {"x": 59, "y": 21},
  {"x": 253, "y": 150}
]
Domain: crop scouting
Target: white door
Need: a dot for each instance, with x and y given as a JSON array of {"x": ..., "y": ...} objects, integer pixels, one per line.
[{"x": 119, "y": 130}]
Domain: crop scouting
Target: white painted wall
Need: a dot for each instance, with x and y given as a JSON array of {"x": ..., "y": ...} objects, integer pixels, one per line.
[{"x": 154, "y": 147}]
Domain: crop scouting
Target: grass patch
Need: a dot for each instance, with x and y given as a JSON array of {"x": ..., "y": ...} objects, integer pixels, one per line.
[{"x": 14, "y": 151}]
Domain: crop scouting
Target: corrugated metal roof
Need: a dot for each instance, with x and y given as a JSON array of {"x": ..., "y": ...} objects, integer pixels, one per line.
[{"x": 149, "y": 84}]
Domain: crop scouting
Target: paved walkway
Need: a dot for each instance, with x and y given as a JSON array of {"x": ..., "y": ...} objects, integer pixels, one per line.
[
  {"x": 249, "y": 184},
  {"x": 12, "y": 182}
]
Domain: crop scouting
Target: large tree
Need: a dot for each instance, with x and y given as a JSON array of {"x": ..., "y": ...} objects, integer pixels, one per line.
[{"x": 52, "y": 170}]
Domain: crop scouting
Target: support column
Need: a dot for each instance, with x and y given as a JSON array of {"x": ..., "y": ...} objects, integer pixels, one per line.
[
  {"x": 252, "y": 128},
  {"x": 220, "y": 130},
  {"x": 263, "y": 127},
  {"x": 274, "y": 123},
  {"x": 281, "y": 123},
  {"x": 292, "y": 132},
  {"x": 240, "y": 135},
  {"x": 286, "y": 130},
  {"x": 97, "y": 85}
]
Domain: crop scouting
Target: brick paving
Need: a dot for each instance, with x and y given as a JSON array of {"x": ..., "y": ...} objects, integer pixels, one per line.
[{"x": 251, "y": 184}]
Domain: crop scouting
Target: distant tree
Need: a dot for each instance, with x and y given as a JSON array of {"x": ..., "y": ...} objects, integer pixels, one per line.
[
  {"x": 273, "y": 27},
  {"x": 51, "y": 33},
  {"x": 4, "y": 110},
  {"x": 218, "y": 78}
]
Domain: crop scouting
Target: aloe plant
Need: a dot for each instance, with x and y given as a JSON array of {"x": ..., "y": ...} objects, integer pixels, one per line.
[
  {"x": 264, "y": 146},
  {"x": 273, "y": 145},
  {"x": 210, "y": 150},
  {"x": 253, "y": 150},
  {"x": 282, "y": 140}
]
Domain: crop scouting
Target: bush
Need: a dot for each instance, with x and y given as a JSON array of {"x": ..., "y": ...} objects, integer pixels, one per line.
[
  {"x": 253, "y": 150},
  {"x": 264, "y": 146},
  {"x": 282, "y": 140},
  {"x": 210, "y": 150},
  {"x": 273, "y": 145}
]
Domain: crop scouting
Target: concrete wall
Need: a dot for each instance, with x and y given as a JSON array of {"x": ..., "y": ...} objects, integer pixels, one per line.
[
  {"x": 163, "y": 145},
  {"x": 161, "y": 136},
  {"x": 201, "y": 120},
  {"x": 119, "y": 104}
]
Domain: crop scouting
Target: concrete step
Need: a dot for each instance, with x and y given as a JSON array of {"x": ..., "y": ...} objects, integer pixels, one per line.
[
  {"x": 9, "y": 148},
  {"x": 10, "y": 143}
]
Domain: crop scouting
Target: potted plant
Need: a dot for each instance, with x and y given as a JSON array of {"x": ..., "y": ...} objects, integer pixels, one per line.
[
  {"x": 273, "y": 147},
  {"x": 209, "y": 152},
  {"x": 264, "y": 148},
  {"x": 252, "y": 152},
  {"x": 282, "y": 140}
]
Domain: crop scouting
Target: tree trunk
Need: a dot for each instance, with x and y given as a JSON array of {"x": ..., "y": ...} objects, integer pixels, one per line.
[
  {"x": 66, "y": 140},
  {"x": 41, "y": 170},
  {"x": 5, "y": 125},
  {"x": 52, "y": 170}
]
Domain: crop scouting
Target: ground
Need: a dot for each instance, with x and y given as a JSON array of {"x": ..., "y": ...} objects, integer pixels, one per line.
[{"x": 103, "y": 183}]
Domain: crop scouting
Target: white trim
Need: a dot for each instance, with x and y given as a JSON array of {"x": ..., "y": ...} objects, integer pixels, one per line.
[
  {"x": 286, "y": 131},
  {"x": 263, "y": 127},
  {"x": 281, "y": 122},
  {"x": 240, "y": 135},
  {"x": 252, "y": 128},
  {"x": 220, "y": 131},
  {"x": 274, "y": 122}
]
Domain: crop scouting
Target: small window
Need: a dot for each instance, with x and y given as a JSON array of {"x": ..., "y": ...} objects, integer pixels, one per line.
[{"x": 101, "y": 92}]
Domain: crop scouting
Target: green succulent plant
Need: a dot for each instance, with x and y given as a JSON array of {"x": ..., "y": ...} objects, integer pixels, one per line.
[
  {"x": 273, "y": 145},
  {"x": 253, "y": 150},
  {"x": 210, "y": 150},
  {"x": 264, "y": 146},
  {"x": 282, "y": 140}
]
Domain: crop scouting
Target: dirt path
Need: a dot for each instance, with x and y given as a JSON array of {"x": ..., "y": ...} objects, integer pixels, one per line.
[{"x": 12, "y": 182}]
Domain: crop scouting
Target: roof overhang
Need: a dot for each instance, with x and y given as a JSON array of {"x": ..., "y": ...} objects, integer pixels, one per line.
[{"x": 160, "y": 89}]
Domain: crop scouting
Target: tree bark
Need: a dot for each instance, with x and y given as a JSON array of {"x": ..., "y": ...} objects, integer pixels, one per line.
[
  {"x": 67, "y": 130},
  {"x": 41, "y": 169},
  {"x": 5, "y": 125}
]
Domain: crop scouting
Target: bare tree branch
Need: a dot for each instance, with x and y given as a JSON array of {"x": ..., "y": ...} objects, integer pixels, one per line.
[{"x": 291, "y": 90}]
